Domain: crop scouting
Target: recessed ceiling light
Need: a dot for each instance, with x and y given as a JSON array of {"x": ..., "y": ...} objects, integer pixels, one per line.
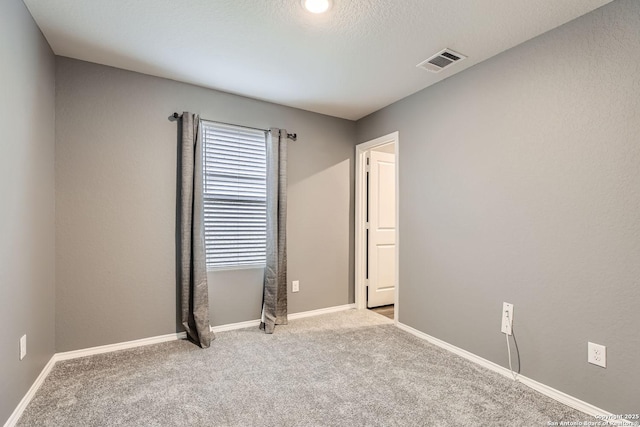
[{"x": 317, "y": 6}]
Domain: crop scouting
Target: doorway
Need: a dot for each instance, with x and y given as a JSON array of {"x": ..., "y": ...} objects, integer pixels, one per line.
[{"x": 376, "y": 281}]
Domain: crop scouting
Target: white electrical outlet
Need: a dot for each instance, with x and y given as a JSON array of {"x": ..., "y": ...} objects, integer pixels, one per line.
[
  {"x": 507, "y": 318},
  {"x": 295, "y": 286},
  {"x": 23, "y": 346},
  {"x": 597, "y": 354}
]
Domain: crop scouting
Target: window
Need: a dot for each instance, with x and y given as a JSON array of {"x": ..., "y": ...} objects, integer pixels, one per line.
[{"x": 234, "y": 195}]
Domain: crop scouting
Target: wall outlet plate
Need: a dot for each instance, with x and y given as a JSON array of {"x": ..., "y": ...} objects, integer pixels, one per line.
[
  {"x": 597, "y": 354},
  {"x": 23, "y": 346},
  {"x": 295, "y": 286},
  {"x": 507, "y": 318}
]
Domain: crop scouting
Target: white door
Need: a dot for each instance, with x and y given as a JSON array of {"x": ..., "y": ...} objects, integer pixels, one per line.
[{"x": 382, "y": 229}]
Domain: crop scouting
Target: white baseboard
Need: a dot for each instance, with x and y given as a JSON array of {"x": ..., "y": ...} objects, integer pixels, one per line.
[
  {"x": 67, "y": 355},
  {"x": 321, "y": 311},
  {"x": 292, "y": 316},
  {"x": 15, "y": 416},
  {"x": 554, "y": 394},
  {"x": 234, "y": 326}
]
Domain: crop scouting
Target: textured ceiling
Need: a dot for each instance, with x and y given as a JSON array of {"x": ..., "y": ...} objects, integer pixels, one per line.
[{"x": 350, "y": 62}]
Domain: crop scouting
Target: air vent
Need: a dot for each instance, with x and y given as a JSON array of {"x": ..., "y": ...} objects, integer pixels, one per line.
[{"x": 441, "y": 60}]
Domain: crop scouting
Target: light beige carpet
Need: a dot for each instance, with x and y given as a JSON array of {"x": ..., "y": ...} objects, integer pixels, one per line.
[{"x": 351, "y": 368}]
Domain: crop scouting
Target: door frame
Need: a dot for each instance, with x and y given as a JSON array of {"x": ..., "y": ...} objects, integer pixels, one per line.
[{"x": 361, "y": 218}]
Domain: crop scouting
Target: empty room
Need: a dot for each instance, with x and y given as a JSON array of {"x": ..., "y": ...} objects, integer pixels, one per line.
[{"x": 320, "y": 213}]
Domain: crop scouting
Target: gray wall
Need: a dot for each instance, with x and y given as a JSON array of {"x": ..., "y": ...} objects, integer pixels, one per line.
[
  {"x": 116, "y": 204},
  {"x": 519, "y": 182},
  {"x": 27, "y": 199}
]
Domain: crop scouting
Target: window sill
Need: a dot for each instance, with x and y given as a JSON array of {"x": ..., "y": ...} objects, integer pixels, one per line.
[{"x": 237, "y": 267}]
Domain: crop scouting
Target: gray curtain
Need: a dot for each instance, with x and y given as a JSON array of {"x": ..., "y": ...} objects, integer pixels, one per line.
[
  {"x": 193, "y": 266},
  {"x": 274, "y": 297}
]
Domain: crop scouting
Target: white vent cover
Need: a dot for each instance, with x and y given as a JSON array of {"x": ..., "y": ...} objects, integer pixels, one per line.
[{"x": 441, "y": 60}]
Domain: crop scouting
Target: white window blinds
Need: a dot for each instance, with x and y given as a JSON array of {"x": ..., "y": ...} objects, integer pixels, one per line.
[{"x": 234, "y": 195}]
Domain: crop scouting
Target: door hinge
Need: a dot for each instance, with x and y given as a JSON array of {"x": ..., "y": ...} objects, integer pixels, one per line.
[
  {"x": 367, "y": 167},
  {"x": 366, "y": 225}
]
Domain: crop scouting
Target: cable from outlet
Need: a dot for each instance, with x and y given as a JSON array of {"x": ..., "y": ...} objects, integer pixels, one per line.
[{"x": 513, "y": 374}]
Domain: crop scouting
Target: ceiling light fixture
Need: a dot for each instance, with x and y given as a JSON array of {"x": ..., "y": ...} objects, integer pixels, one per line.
[{"x": 317, "y": 6}]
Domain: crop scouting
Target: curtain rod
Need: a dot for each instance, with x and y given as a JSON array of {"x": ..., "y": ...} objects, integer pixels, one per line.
[{"x": 291, "y": 136}]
